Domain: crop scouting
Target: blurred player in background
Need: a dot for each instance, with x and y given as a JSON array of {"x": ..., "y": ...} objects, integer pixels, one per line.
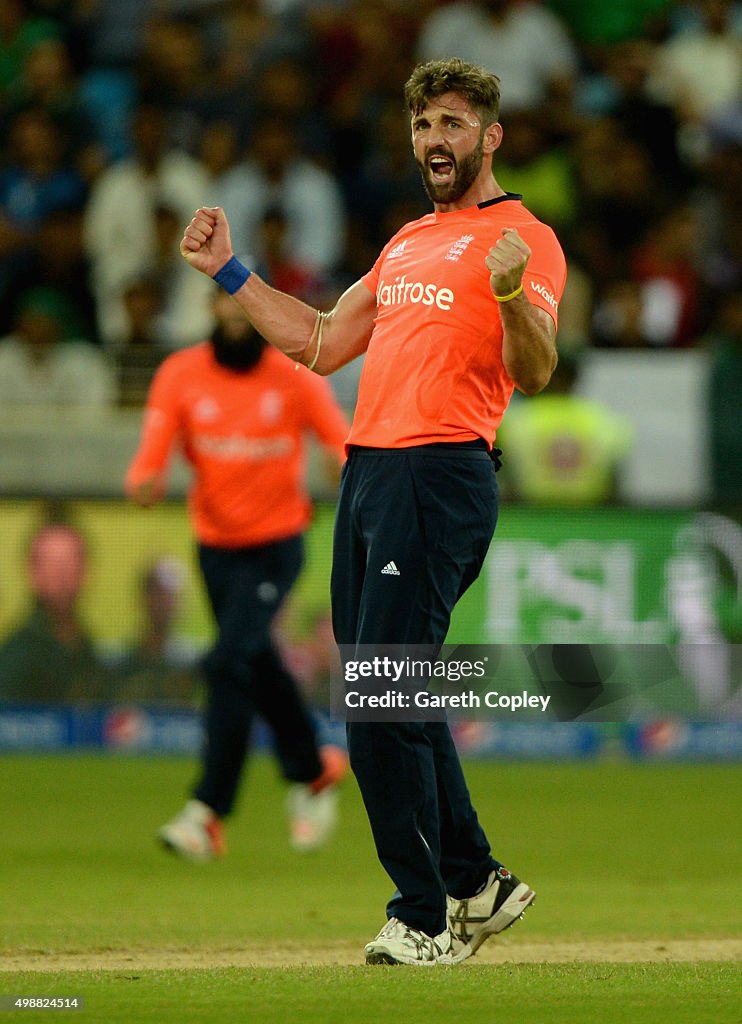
[
  {"x": 238, "y": 411},
  {"x": 460, "y": 308}
]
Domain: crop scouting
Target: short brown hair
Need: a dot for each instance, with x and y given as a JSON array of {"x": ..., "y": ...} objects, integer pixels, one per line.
[{"x": 478, "y": 86}]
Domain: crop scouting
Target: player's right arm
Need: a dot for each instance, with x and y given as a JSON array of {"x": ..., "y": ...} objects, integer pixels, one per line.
[
  {"x": 288, "y": 324},
  {"x": 146, "y": 477}
]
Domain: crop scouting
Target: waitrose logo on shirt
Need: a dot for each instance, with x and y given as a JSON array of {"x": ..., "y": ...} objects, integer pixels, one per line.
[
  {"x": 240, "y": 448},
  {"x": 403, "y": 291},
  {"x": 545, "y": 294}
]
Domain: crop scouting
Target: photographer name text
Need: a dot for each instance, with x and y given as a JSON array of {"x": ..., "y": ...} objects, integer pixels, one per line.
[{"x": 355, "y": 700}]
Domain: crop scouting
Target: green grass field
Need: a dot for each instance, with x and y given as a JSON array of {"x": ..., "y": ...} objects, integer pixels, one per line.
[{"x": 636, "y": 868}]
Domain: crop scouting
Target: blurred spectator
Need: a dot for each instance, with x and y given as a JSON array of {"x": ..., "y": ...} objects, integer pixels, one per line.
[
  {"x": 50, "y": 657},
  {"x": 619, "y": 195},
  {"x": 161, "y": 665},
  {"x": 666, "y": 266},
  {"x": 162, "y": 311},
  {"x": 121, "y": 221},
  {"x": 48, "y": 83},
  {"x": 277, "y": 174},
  {"x": 605, "y": 22},
  {"x": 243, "y": 39},
  {"x": 563, "y": 449},
  {"x": 185, "y": 312},
  {"x": 719, "y": 204},
  {"x": 285, "y": 90},
  {"x": 531, "y": 163},
  {"x": 110, "y": 37},
  {"x": 618, "y": 88},
  {"x": 699, "y": 71},
  {"x": 386, "y": 178},
  {"x": 687, "y": 14},
  {"x": 40, "y": 366},
  {"x": 363, "y": 56},
  {"x": 657, "y": 303},
  {"x": 20, "y": 31},
  {"x": 218, "y": 149},
  {"x": 140, "y": 352},
  {"x": 37, "y": 181},
  {"x": 724, "y": 404},
  {"x": 174, "y": 73},
  {"x": 524, "y": 43},
  {"x": 57, "y": 261},
  {"x": 363, "y": 53},
  {"x": 287, "y": 113},
  {"x": 108, "y": 97},
  {"x": 115, "y": 31},
  {"x": 34, "y": 184},
  {"x": 277, "y": 266},
  {"x": 619, "y": 318}
]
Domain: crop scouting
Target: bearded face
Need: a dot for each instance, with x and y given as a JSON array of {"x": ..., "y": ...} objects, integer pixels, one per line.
[
  {"x": 448, "y": 139},
  {"x": 447, "y": 178},
  {"x": 238, "y": 354},
  {"x": 236, "y": 344}
]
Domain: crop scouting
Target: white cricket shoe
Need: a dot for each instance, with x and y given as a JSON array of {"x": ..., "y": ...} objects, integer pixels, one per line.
[
  {"x": 196, "y": 833},
  {"x": 312, "y": 816},
  {"x": 313, "y": 806},
  {"x": 397, "y": 943},
  {"x": 471, "y": 921}
]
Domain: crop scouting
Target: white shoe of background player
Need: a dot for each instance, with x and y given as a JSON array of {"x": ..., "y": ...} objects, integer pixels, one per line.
[
  {"x": 196, "y": 833},
  {"x": 313, "y": 806}
]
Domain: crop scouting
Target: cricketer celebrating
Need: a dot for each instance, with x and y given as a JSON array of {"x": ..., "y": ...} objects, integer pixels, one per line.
[{"x": 459, "y": 309}]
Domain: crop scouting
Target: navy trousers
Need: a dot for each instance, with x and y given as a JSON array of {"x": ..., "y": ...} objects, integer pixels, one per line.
[
  {"x": 244, "y": 673},
  {"x": 431, "y": 511}
]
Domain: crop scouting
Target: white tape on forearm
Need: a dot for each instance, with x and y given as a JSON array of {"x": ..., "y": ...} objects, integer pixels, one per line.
[{"x": 320, "y": 328}]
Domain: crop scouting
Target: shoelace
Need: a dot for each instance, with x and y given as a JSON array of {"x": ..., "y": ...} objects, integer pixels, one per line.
[
  {"x": 461, "y": 916},
  {"x": 423, "y": 944},
  {"x": 419, "y": 940}
]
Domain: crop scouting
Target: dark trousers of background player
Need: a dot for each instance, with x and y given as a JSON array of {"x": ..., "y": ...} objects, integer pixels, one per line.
[
  {"x": 244, "y": 673},
  {"x": 431, "y": 510}
]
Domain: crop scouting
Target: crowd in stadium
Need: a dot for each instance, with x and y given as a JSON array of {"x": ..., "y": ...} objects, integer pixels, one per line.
[{"x": 623, "y": 130}]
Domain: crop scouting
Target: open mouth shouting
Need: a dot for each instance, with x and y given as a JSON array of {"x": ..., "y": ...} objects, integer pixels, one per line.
[
  {"x": 447, "y": 177},
  {"x": 441, "y": 168}
]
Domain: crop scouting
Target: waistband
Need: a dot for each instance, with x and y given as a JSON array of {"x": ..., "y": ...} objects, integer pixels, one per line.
[{"x": 460, "y": 449}]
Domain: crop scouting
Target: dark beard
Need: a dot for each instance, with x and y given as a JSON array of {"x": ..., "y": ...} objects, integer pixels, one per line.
[
  {"x": 466, "y": 175},
  {"x": 238, "y": 356}
]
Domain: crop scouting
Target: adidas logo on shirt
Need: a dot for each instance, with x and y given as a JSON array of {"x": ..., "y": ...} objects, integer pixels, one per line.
[
  {"x": 398, "y": 250},
  {"x": 390, "y": 569}
]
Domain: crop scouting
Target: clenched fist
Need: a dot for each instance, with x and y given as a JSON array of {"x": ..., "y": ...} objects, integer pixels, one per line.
[
  {"x": 506, "y": 262},
  {"x": 207, "y": 244}
]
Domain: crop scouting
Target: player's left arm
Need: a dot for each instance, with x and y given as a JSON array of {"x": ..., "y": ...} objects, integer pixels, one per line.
[{"x": 529, "y": 351}]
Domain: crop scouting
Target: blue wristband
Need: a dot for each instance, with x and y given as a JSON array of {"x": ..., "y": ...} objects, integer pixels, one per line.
[{"x": 232, "y": 276}]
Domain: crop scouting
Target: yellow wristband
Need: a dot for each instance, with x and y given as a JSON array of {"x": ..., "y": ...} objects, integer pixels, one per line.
[{"x": 512, "y": 295}]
